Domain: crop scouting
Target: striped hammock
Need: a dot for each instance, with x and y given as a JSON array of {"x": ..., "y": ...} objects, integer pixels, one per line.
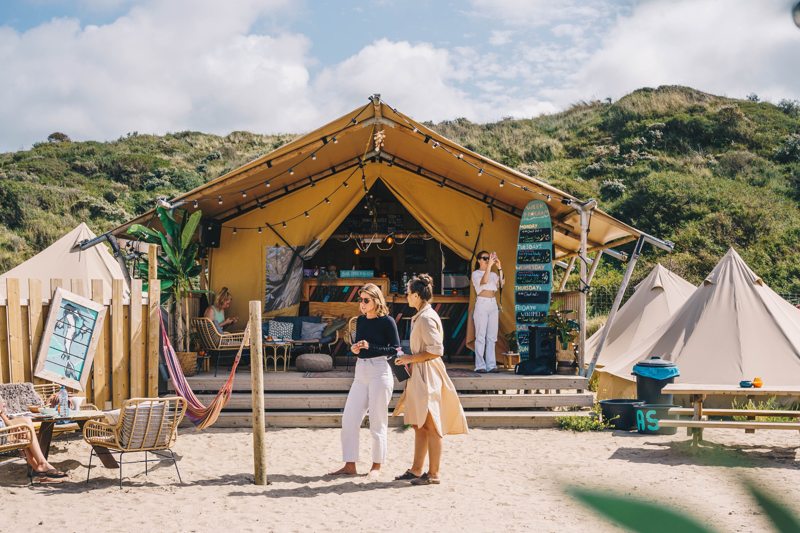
[{"x": 201, "y": 416}]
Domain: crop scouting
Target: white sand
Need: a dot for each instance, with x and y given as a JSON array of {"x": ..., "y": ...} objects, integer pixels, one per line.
[{"x": 492, "y": 480}]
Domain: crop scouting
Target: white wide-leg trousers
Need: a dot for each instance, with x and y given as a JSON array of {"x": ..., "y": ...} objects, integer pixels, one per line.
[
  {"x": 486, "y": 317},
  {"x": 370, "y": 392}
]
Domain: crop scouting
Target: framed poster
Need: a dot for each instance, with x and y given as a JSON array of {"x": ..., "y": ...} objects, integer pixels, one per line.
[{"x": 69, "y": 340}]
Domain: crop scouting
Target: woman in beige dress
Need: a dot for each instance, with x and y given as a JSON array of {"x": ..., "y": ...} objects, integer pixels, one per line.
[{"x": 430, "y": 402}]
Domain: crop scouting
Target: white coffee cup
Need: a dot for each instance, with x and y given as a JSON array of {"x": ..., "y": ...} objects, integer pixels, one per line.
[{"x": 76, "y": 402}]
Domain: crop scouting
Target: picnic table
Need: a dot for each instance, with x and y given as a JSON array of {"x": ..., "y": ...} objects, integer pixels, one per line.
[{"x": 698, "y": 394}]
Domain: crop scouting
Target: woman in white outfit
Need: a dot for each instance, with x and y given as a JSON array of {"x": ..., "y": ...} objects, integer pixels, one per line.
[
  {"x": 486, "y": 314},
  {"x": 376, "y": 339}
]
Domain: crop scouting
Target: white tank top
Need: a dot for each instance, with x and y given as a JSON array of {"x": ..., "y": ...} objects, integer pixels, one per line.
[{"x": 494, "y": 279}]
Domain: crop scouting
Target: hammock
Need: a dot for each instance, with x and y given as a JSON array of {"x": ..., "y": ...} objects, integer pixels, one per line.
[{"x": 201, "y": 416}]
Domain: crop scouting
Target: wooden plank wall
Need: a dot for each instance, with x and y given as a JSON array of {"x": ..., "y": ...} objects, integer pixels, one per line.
[{"x": 126, "y": 361}]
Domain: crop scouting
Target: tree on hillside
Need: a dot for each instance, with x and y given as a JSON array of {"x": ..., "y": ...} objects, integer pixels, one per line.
[{"x": 58, "y": 137}]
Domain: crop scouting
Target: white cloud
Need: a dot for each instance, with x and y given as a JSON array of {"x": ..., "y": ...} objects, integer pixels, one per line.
[
  {"x": 500, "y": 38},
  {"x": 730, "y": 47}
]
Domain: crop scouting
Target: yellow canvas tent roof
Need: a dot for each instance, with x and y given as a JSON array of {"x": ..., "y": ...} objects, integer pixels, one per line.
[
  {"x": 302, "y": 191},
  {"x": 61, "y": 260}
]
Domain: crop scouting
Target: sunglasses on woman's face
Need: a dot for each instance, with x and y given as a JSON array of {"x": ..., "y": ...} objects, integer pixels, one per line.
[
  {"x": 364, "y": 300},
  {"x": 484, "y": 258}
]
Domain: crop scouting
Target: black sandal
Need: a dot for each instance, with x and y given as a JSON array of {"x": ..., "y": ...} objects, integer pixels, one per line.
[
  {"x": 425, "y": 479},
  {"x": 407, "y": 476},
  {"x": 52, "y": 473}
]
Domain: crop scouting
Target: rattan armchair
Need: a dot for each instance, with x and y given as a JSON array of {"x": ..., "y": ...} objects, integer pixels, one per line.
[
  {"x": 215, "y": 342},
  {"x": 148, "y": 425},
  {"x": 349, "y": 337}
]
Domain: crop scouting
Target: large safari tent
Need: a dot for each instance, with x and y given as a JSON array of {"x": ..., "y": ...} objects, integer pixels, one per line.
[{"x": 310, "y": 196}]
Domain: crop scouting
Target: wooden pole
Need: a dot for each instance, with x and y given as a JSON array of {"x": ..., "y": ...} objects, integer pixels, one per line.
[
  {"x": 257, "y": 377},
  {"x": 152, "y": 261},
  {"x": 567, "y": 272}
]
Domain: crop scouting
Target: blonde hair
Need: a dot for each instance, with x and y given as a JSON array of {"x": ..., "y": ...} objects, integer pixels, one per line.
[
  {"x": 222, "y": 296},
  {"x": 375, "y": 292}
]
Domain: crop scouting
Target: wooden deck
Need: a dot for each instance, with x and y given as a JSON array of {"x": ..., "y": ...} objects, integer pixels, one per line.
[{"x": 296, "y": 399}]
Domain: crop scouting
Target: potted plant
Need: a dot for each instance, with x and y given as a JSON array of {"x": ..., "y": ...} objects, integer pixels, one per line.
[
  {"x": 177, "y": 264},
  {"x": 565, "y": 329}
]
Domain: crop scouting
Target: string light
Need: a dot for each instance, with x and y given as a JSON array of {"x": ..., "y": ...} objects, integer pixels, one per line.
[
  {"x": 306, "y": 214},
  {"x": 291, "y": 172},
  {"x": 344, "y": 184},
  {"x": 195, "y": 204},
  {"x": 219, "y": 200},
  {"x": 283, "y": 223},
  {"x": 260, "y": 230},
  {"x": 480, "y": 172},
  {"x": 314, "y": 156},
  {"x": 327, "y": 201},
  {"x": 435, "y": 145},
  {"x": 267, "y": 184},
  {"x": 311, "y": 181},
  {"x": 502, "y": 183},
  {"x": 335, "y": 140},
  {"x": 244, "y": 194},
  {"x": 234, "y": 231},
  {"x": 357, "y": 251}
]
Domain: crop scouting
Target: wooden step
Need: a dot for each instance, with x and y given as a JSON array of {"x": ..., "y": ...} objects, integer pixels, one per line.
[
  {"x": 475, "y": 419},
  {"x": 336, "y": 400},
  {"x": 296, "y": 382}
]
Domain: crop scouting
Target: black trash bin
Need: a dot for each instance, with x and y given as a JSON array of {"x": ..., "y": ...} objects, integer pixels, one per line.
[{"x": 651, "y": 376}]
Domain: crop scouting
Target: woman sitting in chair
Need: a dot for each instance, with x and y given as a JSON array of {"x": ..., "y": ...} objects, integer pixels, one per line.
[
  {"x": 216, "y": 311},
  {"x": 42, "y": 470}
]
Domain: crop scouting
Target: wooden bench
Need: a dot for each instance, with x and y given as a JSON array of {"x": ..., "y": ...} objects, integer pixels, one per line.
[
  {"x": 750, "y": 425},
  {"x": 688, "y": 411}
]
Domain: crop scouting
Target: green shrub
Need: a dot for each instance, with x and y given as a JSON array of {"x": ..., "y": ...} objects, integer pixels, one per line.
[
  {"x": 592, "y": 422},
  {"x": 770, "y": 404}
]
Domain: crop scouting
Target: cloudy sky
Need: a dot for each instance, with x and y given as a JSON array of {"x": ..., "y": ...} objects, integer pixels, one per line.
[{"x": 97, "y": 69}]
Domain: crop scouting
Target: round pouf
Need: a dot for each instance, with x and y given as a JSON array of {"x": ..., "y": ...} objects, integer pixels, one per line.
[{"x": 313, "y": 362}]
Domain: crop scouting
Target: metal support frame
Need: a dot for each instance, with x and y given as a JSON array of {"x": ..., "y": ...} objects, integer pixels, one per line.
[{"x": 585, "y": 210}]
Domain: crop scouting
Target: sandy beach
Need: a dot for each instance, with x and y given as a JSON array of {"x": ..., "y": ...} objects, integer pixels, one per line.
[{"x": 492, "y": 480}]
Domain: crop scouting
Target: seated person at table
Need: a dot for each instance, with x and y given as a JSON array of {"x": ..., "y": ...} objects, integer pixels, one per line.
[
  {"x": 216, "y": 311},
  {"x": 42, "y": 469}
]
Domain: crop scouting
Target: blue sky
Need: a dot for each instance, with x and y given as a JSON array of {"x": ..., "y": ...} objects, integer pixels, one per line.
[{"x": 97, "y": 69}]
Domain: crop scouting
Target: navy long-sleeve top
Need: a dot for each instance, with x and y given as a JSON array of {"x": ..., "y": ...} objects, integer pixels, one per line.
[{"x": 381, "y": 334}]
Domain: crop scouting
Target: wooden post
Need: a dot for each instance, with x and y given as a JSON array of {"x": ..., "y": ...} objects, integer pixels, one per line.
[
  {"x": 138, "y": 368},
  {"x": 119, "y": 366},
  {"x": 100, "y": 373},
  {"x": 152, "y": 261},
  {"x": 567, "y": 272},
  {"x": 14, "y": 310},
  {"x": 595, "y": 264},
  {"x": 257, "y": 377}
]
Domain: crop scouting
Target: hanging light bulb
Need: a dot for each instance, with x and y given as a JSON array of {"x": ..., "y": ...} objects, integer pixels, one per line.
[
  {"x": 327, "y": 201},
  {"x": 267, "y": 184},
  {"x": 306, "y": 214},
  {"x": 234, "y": 231},
  {"x": 314, "y": 156},
  {"x": 480, "y": 172},
  {"x": 357, "y": 251},
  {"x": 219, "y": 200},
  {"x": 466, "y": 233},
  {"x": 311, "y": 181},
  {"x": 344, "y": 184},
  {"x": 415, "y": 130},
  {"x": 435, "y": 145},
  {"x": 291, "y": 171},
  {"x": 335, "y": 140},
  {"x": 244, "y": 194},
  {"x": 548, "y": 197},
  {"x": 502, "y": 183},
  {"x": 195, "y": 204},
  {"x": 260, "y": 230},
  {"x": 389, "y": 239},
  {"x": 283, "y": 223}
]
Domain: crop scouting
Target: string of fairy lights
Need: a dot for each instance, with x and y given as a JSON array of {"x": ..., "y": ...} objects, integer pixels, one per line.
[{"x": 358, "y": 163}]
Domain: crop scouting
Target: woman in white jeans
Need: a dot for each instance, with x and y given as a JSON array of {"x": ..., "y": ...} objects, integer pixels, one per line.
[
  {"x": 486, "y": 314},
  {"x": 376, "y": 339}
]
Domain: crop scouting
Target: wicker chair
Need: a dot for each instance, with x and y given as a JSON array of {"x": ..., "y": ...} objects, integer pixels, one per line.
[
  {"x": 45, "y": 392},
  {"x": 215, "y": 342},
  {"x": 148, "y": 425},
  {"x": 349, "y": 337},
  {"x": 15, "y": 439}
]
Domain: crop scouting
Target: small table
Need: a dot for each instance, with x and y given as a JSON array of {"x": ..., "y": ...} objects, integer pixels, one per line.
[
  {"x": 698, "y": 394},
  {"x": 509, "y": 359},
  {"x": 48, "y": 423},
  {"x": 279, "y": 349}
]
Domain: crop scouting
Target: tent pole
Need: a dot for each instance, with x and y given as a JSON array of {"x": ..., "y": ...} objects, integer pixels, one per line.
[
  {"x": 567, "y": 272},
  {"x": 595, "y": 264},
  {"x": 585, "y": 211},
  {"x": 637, "y": 250}
]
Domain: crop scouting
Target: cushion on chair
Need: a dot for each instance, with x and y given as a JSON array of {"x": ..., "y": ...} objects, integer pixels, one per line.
[
  {"x": 139, "y": 435},
  {"x": 279, "y": 329},
  {"x": 19, "y": 396},
  {"x": 335, "y": 325},
  {"x": 312, "y": 331},
  {"x": 313, "y": 362}
]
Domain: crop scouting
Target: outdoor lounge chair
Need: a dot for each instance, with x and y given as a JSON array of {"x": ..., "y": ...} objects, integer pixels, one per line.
[
  {"x": 214, "y": 342},
  {"x": 16, "y": 439},
  {"x": 148, "y": 425}
]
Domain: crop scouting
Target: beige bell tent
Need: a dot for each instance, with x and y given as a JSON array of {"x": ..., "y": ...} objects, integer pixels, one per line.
[
  {"x": 733, "y": 327},
  {"x": 656, "y": 298},
  {"x": 62, "y": 261}
]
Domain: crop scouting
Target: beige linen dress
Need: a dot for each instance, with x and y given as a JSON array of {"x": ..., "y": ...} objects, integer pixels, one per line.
[{"x": 429, "y": 389}]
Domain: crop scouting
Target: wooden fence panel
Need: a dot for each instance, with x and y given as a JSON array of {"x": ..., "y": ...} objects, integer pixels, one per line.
[
  {"x": 101, "y": 357},
  {"x": 119, "y": 364},
  {"x": 15, "y": 341},
  {"x": 153, "y": 337},
  {"x": 5, "y": 363},
  {"x": 137, "y": 360}
]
